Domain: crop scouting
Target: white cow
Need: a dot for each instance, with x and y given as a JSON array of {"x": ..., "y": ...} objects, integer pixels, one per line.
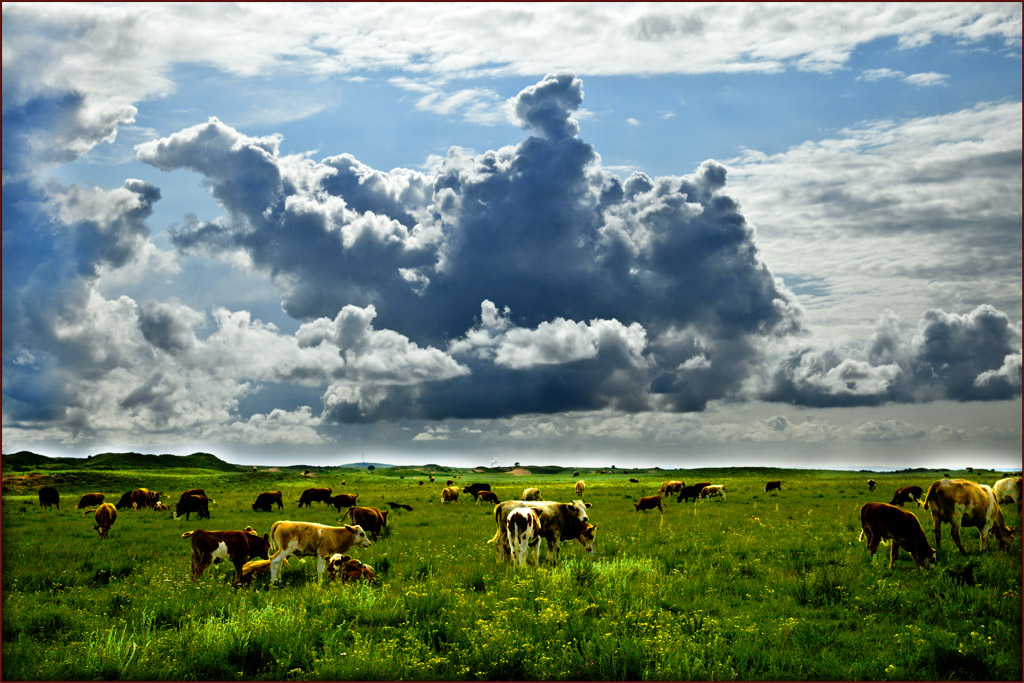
[
  {"x": 523, "y": 530},
  {"x": 1008, "y": 491},
  {"x": 712, "y": 491}
]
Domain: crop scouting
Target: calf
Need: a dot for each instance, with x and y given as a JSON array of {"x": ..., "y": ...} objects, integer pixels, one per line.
[
  {"x": 48, "y": 497},
  {"x": 90, "y": 500},
  {"x": 343, "y": 500},
  {"x": 881, "y": 521},
  {"x": 649, "y": 503},
  {"x": 717, "y": 490},
  {"x": 308, "y": 538},
  {"x": 106, "y": 515},
  {"x": 162, "y": 507},
  {"x": 960, "y": 502},
  {"x": 371, "y": 520},
  {"x": 531, "y": 494},
  {"x": 475, "y": 489},
  {"x": 693, "y": 491},
  {"x": 317, "y": 495},
  {"x": 580, "y": 487},
  {"x": 238, "y": 547},
  {"x": 450, "y": 494},
  {"x": 522, "y": 527},
  {"x": 773, "y": 486},
  {"x": 1008, "y": 491},
  {"x": 905, "y": 494},
  {"x": 348, "y": 568},
  {"x": 558, "y": 521},
  {"x": 399, "y": 506},
  {"x": 487, "y": 497},
  {"x": 670, "y": 487},
  {"x": 265, "y": 501},
  {"x": 189, "y": 504}
]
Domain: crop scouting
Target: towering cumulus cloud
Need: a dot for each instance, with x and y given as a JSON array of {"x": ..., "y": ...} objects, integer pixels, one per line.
[{"x": 552, "y": 283}]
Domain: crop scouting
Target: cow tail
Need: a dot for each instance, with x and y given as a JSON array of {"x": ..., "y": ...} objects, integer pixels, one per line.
[
  {"x": 187, "y": 534},
  {"x": 273, "y": 543},
  {"x": 89, "y": 512}
]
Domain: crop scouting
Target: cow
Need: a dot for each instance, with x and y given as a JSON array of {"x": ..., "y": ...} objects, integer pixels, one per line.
[
  {"x": 192, "y": 492},
  {"x": 421, "y": 482},
  {"x": 558, "y": 521},
  {"x": 144, "y": 498},
  {"x": 431, "y": 480},
  {"x": 399, "y": 506},
  {"x": 580, "y": 487},
  {"x": 450, "y": 482},
  {"x": 692, "y": 491},
  {"x": 475, "y": 489},
  {"x": 871, "y": 484},
  {"x": 48, "y": 497},
  {"x": 634, "y": 481},
  {"x": 1008, "y": 491},
  {"x": 881, "y": 521},
  {"x": 314, "y": 496},
  {"x": 106, "y": 515},
  {"x": 487, "y": 497},
  {"x": 348, "y": 568},
  {"x": 531, "y": 494},
  {"x": 670, "y": 487},
  {"x": 161, "y": 507},
  {"x": 371, "y": 520},
  {"x": 189, "y": 504},
  {"x": 238, "y": 547},
  {"x": 450, "y": 494},
  {"x": 265, "y": 501},
  {"x": 905, "y": 494},
  {"x": 649, "y": 503},
  {"x": 522, "y": 527},
  {"x": 960, "y": 502},
  {"x": 90, "y": 500},
  {"x": 576, "y": 473},
  {"x": 125, "y": 501},
  {"x": 773, "y": 486},
  {"x": 717, "y": 490},
  {"x": 309, "y": 538},
  {"x": 342, "y": 500}
]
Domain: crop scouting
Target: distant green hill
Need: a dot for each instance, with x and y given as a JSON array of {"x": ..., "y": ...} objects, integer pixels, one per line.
[{"x": 26, "y": 460}]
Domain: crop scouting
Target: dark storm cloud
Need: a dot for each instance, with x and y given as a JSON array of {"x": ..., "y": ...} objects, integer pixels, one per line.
[{"x": 539, "y": 229}]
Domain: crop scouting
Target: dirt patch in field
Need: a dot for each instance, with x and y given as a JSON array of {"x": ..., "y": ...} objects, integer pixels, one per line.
[
  {"x": 272, "y": 469},
  {"x": 519, "y": 471}
]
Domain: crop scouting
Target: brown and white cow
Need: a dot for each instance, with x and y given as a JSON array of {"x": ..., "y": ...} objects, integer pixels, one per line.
[
  {"x": 348, "y": 568},
  {"x": 580, "y": 487},
  {"x": 522, "y": 527},
  {"x": 238, "y": 547},
  {"x": 881, "y": 521},
  {"x": 649, "y": 503},
  {"x": 309, "y": 538},
  {"x": 558, "y": 521},
  {"x": 960, "y": 502},
  {"x": 713, "y": 491},
  {"x": 773, "y": 486},
  {"x": 317, "y": 495},
  {"x": 90, "y": 500},
  {"x": 487, "y": 497},
  {"x": 1008, "y": 491},
  {"x": 371, "y": 520},
  {"x": 670, "y": 487},
  {"x": 450, "y": 494},
  {"x": 905, "y": 494},
  {"x": 531, "y": 494},
  {"x": 106, "y": 515},
  {"x": 265, "y": 501},
  {"x": 342, "y": 500}
]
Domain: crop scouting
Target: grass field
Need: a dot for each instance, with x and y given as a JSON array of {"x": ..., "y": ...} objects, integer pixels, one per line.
[{"x": 756, "y": 587}]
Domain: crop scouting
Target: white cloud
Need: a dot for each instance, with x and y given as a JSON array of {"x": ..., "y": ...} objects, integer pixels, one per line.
[
  {"x": 632, "y": 122},
  {"x": 927, "y": 79}
]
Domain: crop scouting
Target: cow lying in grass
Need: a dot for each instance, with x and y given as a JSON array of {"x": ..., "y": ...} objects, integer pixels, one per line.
[{"x": 346, "y": 568}]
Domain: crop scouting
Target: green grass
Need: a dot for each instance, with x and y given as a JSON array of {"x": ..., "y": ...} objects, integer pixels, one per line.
[{"x": 705, "y": 592}]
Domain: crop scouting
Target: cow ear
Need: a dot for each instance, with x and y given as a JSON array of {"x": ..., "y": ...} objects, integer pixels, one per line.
[
  {"x": 587, "y": 504},
  {"x": 266, "y": 537}
]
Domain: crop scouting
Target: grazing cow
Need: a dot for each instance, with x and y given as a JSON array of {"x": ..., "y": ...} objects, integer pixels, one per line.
[
  {"x": 522, "y": 526},
  {"x": 670, "y": 487},
  {"x": 48, "y": 497},
  {"x": 960, "y": 502},
  {"x": 558, "y": 521},
  {"x": 576, "y": 473},
  {"x": 531, "y": 494},
  {"x": 580, "y": 487},
  {"x": 348, "y": 568},
  {"x": 431, "y": 480},
  {"x": 773, "y": 486},
  {"x": 317, "y": 495},
  {"x": 309, "y": 538},
  {"x": 634, "y": 481},
  {"x": 693, "y": 491},
  {"x": 475, "y": 489},
  {"x": 905, "y": 494},
  {"x": 717, "y": 490},
  {"x": 342, "y": 500},
  {"x": 371, "y": 520},
  {"x": 450, "y": 494},
  {"x": 1008, "y": 491},
  {"x": 265, "y": 501},
  {"x": 399, "y": 506},
  {"x": 144, "y": 498},
  {"x": 649, "y": 503},
  {"x": 450, "y": 482},
  {"x": 106, "y": 515},
  {"x": 487, "y": 497},
  {"x": 90, "y": 500},
  {"x": 125, "y": 501},
  {"x": 189, "y": 504},
  {"x": 238, "y": 547},
  {"x": 871, "y": 484},
  {"x": 881, "y": 521}
]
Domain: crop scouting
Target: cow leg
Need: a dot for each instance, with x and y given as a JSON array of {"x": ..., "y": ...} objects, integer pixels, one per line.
[
  {"x": 239, "y": 580},
  {"x": 872, "y": 541},
  {"x": 894, "y": 553},
  {"x": 200, "y": 561},
  {"x": 954, "y": 531},
  {"x": 321, "y": 567},
  {"x": 275, "y": 563},
  {"x": 938, "y": 531}
]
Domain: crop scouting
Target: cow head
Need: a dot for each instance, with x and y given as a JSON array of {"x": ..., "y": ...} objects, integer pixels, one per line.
[
  {"x": 336, "y": 565},
  {"x": 586, "y": 537},
  {"x": 360, "y": 535},
  {"x": 259, "y": 546},
  {"x": 384, "y": 514},
  {"x": 1004, "y": 534}
]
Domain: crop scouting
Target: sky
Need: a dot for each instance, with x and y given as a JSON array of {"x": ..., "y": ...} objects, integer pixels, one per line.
[{"x": 675, "y": 235}]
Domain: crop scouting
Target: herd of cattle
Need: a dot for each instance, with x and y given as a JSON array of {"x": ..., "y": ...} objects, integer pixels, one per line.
[{"x": 522, "y": 524}]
